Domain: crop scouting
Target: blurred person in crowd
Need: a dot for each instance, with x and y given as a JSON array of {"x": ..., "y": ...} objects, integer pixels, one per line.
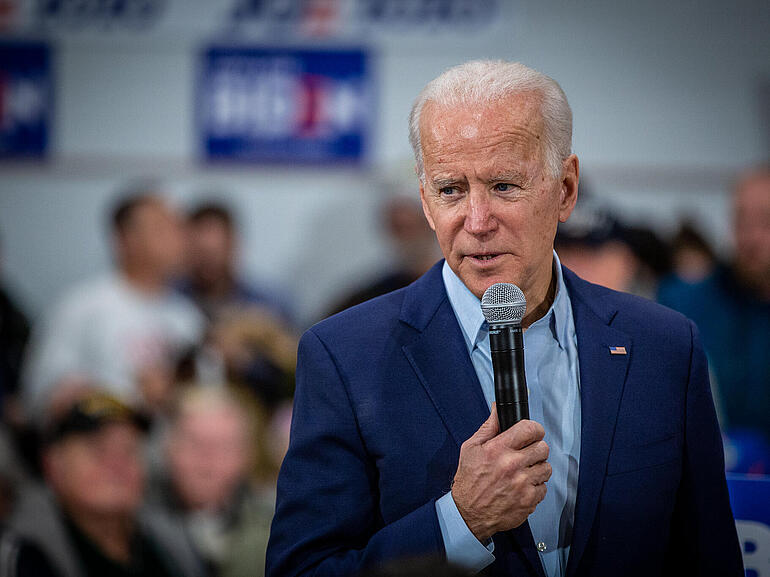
[
  {"x": 599, "y": 248},
  {"x": 213, "y": 281},
  {"x": 88, "y": 519},
  {"x": 732, "y": 310},
  {"x": 206, "y": 492},
  {"x": 414, "y": 246},
  {"x": 250, "y": 328},
  {"x": 14, "y": 334},
  {"x": 125, "y": 329},
  {"x": 692, "y": 258}
]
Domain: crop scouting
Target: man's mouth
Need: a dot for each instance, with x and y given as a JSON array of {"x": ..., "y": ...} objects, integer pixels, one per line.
[{"x": 484, "y": 257}]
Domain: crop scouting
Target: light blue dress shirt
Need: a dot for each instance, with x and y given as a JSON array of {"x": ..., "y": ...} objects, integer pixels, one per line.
[{"x": 553, "y": 380}]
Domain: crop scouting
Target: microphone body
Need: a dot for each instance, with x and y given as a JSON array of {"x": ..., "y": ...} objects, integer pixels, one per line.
[
  {"x": 503, "y": 306},
  {"x": 506, "y": 343}
]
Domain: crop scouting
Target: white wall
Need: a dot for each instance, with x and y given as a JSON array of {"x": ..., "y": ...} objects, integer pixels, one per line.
[{"x": 664, "y": 94}]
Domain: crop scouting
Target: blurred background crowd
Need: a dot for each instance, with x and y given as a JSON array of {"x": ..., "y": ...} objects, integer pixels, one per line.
[{"x": 169, "y": 227}]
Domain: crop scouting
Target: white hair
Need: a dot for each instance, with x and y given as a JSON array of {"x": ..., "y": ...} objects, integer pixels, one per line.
[{"x": 484, "y": 81}]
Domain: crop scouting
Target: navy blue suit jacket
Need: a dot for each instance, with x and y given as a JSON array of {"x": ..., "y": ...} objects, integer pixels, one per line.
[{"x": 386, "y": 394}]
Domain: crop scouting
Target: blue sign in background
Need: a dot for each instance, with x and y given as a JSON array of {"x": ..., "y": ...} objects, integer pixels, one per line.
[
  {"x": 25, "y": 99},
  {"x": 750, "y": 500},
  {"x": 284, "y": 105}
]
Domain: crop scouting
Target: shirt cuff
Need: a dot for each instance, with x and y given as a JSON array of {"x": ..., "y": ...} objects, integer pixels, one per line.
[{"x": 462, "y": 547}]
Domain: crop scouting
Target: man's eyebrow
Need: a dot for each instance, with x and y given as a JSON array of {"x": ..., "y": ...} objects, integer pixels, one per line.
[
  {"x": 506, "y": 176},
  {"x": 442, "y": 181}
]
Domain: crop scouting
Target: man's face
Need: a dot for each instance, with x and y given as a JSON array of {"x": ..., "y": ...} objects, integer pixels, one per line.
[
  {"x": 153, "y": 238},
  {"x": 208, "y": 456},
  {"x": 210, "y": 250},
  {"x": 752, "y": 229},
  {"x": 488, "y": 194},
  {"x": 100, "y": 472}
]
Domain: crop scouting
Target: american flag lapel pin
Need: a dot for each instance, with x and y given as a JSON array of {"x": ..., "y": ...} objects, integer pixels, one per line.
[{"x": 617, "y": 350}]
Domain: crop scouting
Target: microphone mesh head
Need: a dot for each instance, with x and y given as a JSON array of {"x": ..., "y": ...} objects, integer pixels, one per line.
[{"x": 503, "y": 303}]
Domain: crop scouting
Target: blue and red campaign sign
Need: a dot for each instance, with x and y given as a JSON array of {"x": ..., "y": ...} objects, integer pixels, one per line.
[
  {"x": 750, "y": 500},
  {"x": 284, "y": 105},
  {"x": 25, "y": 99}
]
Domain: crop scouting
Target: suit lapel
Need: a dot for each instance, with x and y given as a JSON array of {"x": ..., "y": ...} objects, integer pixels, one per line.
[
  {"x": 602, "y": 378},
  {"x": 440, "y": 359}
]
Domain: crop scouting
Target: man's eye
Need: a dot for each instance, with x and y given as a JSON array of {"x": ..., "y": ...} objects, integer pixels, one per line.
[
  {"x": 505, "y": 187},
  {"x": 447, "y": 190}
]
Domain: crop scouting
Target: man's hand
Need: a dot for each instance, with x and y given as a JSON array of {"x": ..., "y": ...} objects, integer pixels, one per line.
[{"x": 500, "y": 479}]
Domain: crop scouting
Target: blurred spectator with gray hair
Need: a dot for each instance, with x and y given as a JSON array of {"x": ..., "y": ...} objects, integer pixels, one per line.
[
  {"x": 125, "y": 329},
  {"x": 732, "y": 310},
  {"x": 414, "y": 249},
  {"x": 250, "y": 336},
  {"x": 88, "y": 519},
  {"x": 206, "y": 492}
]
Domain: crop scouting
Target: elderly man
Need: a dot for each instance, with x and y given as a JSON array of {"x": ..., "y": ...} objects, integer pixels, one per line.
[
  {"x": 394, "y": 450},
  {"x": 88, "y": 520}
]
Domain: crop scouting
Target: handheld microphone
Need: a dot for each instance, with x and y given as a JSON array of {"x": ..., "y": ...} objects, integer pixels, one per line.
[{"x": 503, "y": 306}]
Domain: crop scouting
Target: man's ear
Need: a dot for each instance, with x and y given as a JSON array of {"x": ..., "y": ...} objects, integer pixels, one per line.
[
  {"x": 569, "y": 186},
  {"x": 425, "y": 208}
]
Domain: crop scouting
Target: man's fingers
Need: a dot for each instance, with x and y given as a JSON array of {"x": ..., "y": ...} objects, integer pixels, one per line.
[
  {"x": 522, "y": 434},
  {"x": 488, "y": 430},
  {"x": 535, "y": 453},
  {"x": 540, "y": 473}
]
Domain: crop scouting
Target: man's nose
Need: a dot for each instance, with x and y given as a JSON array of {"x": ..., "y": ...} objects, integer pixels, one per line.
[{"x": 479, "y": 219}]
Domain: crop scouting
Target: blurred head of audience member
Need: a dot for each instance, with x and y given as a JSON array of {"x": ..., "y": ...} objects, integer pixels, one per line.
[
  {"x": 413, "y": 241},
  {"x": 212, "y": 253},
  {"x": 600, "y": 249},
  {"x": 92, "y": 463},
  {"x": 414, "y": 248},
  {"x": 751, "y": 228},
  {"x": 692, "y": 258},
  {"x": 207, "y": 489},
  {"x": 731, "y": 308},
  {"x": 210, "y": 448},
  {"x": 148, "y": 240}
]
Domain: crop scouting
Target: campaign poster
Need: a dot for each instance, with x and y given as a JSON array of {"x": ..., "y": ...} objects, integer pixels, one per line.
[
  {"x": 750, "y": 500},
  {"x": 25, "y": 99},
  {"x": 285, "y": 105}
]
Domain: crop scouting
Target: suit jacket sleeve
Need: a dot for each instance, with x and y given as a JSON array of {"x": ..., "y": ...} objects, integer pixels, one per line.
[
  {"x": 704, "y": 541},
  {"x": 327, "y": 519}
]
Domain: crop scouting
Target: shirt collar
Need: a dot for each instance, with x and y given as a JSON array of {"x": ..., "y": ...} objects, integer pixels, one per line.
[{"x": 467, "y": 308}]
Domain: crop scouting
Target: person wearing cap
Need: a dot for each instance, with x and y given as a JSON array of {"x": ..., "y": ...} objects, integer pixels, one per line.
[{"x": 88, "y": 520}]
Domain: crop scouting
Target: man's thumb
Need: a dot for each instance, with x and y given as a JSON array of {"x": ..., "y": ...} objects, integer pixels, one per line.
[{"x": 489, "y": 429}]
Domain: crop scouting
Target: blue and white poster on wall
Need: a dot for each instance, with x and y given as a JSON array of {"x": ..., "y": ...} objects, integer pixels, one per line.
[
  {"x": 274, "y": 105},
  {"x": 25, "y": 99},
  {"x": 750, "y": 500}
]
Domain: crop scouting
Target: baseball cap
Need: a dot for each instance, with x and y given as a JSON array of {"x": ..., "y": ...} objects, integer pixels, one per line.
[{"x": 92, "y": 412}]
